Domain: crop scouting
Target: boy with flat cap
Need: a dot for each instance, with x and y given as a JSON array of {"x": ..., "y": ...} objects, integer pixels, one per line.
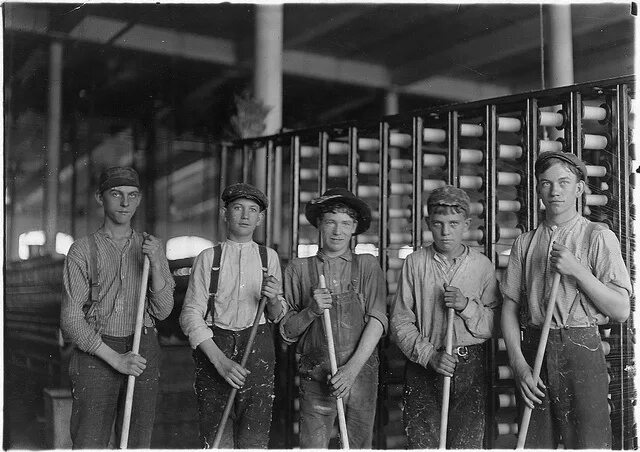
[
  {"x": 446, "y": 274},
  {"x": 225, "y": 287},
  {"x": 102, "y": 278},
  {"x": 569, "y": 401},
  {"x": 355, "y": 295}
]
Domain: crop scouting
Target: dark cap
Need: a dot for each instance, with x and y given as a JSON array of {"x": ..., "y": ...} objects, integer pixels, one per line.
[
  {"x": 566, "y": 157},
  {"x": 449, "y": 196},
  {"x": 314, "y": 208},
  {"x": 242, "y": 190},
  {"x": 118, "y": 176}
]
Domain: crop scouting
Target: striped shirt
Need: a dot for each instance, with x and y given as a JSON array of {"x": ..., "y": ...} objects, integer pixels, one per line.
[
  {"x": 600, "y": 253},
  {"x": 239, "y": 288},
  {"x": 418, "y": 314},
  {"x": 119, "y": 276}
]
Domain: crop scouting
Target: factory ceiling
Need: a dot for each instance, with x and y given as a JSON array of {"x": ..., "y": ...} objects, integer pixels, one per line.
[{"x": 184, "y": 63}]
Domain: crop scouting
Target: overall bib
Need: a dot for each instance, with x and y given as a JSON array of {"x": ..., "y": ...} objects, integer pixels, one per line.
[{"x": 318, "y": 409}]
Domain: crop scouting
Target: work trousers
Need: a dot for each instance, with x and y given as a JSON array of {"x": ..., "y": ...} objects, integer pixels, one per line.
[
  {"x": 467, "y": 403},
  {"x": 99, "y": 393},
  {"x": 318, "y": 409},
  {"x": 574, "y": 411},
  {"x": 249, "y": 422}
]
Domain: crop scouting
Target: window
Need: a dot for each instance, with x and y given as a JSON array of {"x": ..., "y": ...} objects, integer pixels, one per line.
[{"x": 186, "y": 246}]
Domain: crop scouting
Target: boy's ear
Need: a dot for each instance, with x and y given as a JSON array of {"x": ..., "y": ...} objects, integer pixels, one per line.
[
  {"x": 223, "y": 213},
  {"x": 260, "y": 218},
  {"x": 580, "y": 187},
  {"x": 98, "y": 197}
]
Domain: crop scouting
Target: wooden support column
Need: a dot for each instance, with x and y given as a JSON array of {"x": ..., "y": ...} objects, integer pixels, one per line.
[{"x": 52, "y": 170}]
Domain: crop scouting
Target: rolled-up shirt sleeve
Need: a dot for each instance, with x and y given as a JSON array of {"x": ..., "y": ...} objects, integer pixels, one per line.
[
  {"x": 76, "y": 293},
  {"x": 293, "y": 299},
  {"x": 606, "y": 260},
  {"x": 479, "y": 315},
  {"x": 511, "y": 281},
  {"x": 276, "y": 270},
  {"x": 374, "y": 291},
  {"x": 404, "y": 329},
  {"x": 161, "y": 302},
  {"x": 194, "y": 308}
]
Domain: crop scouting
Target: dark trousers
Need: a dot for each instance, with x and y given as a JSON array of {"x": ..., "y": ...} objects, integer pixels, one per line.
[
  {"x": 250, "y": 419},
  {"x": 467, "y": 404},
  {"x": 99, "y": 393},
  {"x": 318, "y": 409},
  {"x": 574, "y": 411}
]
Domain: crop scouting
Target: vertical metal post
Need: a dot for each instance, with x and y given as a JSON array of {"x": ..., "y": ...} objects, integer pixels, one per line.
[
  {"x": 490, "y": 181},
  {"x": 623, "y": 228},
  {"x": 295, "y": 194},
  {"x": 575, "y": 132},
  {"x": 490, "y": 237},
  {"x": 353, "y": 160},
  {"x": 323, "y": 161},
  {"x": 417, "y": 211},
  {"x": 383, "y": 199},
  {"x": 268, "y": 220},
  {"x": 224, "y": 163},
  {"x": 246, "y": 163},
  {"x": 453, "y": 149},
  {"x": 54, "y": 125},
  {"x": 531, "y": 146}
]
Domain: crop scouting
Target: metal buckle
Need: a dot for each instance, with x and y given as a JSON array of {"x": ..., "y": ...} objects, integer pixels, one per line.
[{"x": 461, "y": 351}]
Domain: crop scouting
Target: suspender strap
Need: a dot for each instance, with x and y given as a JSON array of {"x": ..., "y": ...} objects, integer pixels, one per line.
[
  {"x": 94, "y": 284},
  {"x": 215, "y": 275},
  {"x": 262, "y": 250}
]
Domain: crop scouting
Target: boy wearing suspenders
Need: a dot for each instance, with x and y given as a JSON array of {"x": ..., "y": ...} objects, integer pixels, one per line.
[
  {"x": 355, "y": 295},
  {"x": 102, "y": 276},
  {"x": 569, "y": 401},
  {"x": 225, "y": 287}
]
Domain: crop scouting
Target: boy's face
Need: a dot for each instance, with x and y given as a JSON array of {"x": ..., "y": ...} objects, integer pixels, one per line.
[
  {"x": 242, "y": 217},
  {"x": 336, "y": 230},
  {"x": 119, "y": 203},
  {"x": 559, "y": 190},
  {"x": 448, "y": 230}
]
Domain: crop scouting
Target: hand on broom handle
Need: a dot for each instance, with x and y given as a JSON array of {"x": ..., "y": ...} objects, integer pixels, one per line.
[
  {"x": 243, "y": 363},
  {"x": 542, "y": 345},
  {"x": 446, "y": 385},
  {"x": 128, "y": 403},
  {"x": 342, "y": 422}
]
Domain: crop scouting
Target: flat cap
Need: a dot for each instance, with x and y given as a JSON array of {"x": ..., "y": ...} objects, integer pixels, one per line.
[
  {"x": 118, "y": 176},
  {"x": 449, "y": 196},
  {"x": 242, "y": 190},
  {"x": 314, "y": 207},
  {"x": 566, "y": 157}
]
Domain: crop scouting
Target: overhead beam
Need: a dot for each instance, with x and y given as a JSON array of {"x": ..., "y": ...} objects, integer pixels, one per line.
[
  {"x": 498, "y": 45},
  {"x": 324, "y": 27},
  {"x": 456, "y": 89}
]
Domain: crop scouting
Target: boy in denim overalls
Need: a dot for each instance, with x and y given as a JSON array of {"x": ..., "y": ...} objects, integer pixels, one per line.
[
  {"x": 356, "y": 298},
  {"x": 569, "y": 401}
]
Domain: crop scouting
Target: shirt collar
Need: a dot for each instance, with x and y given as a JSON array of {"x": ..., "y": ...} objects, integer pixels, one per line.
[
  {"x": 239, "y": 245},
  {"x": 567, "y": 224},
  {"x": 347, "y": 256},
  {"x": 442, "y": 258}
]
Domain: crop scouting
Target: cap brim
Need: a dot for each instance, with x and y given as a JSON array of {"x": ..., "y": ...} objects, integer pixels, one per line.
[{"x": 313, "y": 210}]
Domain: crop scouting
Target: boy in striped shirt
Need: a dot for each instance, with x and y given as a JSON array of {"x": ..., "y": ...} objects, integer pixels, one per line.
[{"x": 102, "y": 279}]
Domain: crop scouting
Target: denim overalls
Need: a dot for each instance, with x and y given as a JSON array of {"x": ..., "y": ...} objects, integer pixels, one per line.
[{"x": 318, "y": 408}]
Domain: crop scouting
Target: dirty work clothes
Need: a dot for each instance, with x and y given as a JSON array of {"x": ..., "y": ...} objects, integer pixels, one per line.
[
  {"x": 357, "y": 291},
  {"x": 418, "y": 313},
  {"x": 250, "y": 419},
  {"x": 467, "y": 403},
  {"x": 574, "y": 410},
  {"x": 318, "y": 410},
  {"x": 99, "y": 393},
  {"x": 528, "y": 278}
]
